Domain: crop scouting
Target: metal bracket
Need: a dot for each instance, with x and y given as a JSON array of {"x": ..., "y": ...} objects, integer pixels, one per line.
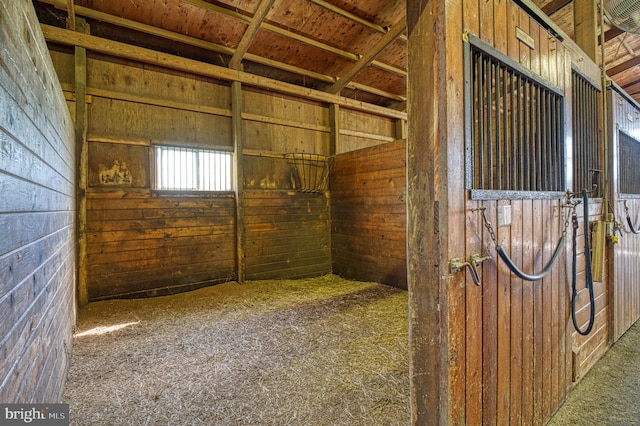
[
  {"x": 478, "y": 258},
  {"x": 456, "y": 265}
]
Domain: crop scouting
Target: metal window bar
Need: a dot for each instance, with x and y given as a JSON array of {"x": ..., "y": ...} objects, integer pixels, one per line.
[
  {"x": 629, "y": 178},
  {"x": 586, "y": 135},
  {"x": 192, "y": 169},
  {"x": 517, "y": 139}
]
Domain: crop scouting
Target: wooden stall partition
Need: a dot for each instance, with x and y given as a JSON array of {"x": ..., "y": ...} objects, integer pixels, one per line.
[
  {"x": 287, "y": 234},
  {"x": 286, "y": 210},
  {"x": 587, "y": 123},
  {"x": 624, "y": 137},
  {"x": 141, "y": 241},
  {"x": 357, "y": 130},
  {"x": 37, "y": 215},
  {"x": 510, "y": 345},
  {"x": 368, "y": 214}
]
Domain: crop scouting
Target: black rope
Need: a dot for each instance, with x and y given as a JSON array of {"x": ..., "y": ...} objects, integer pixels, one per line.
[
  {"x": 505, "y": 257},
  {"x": 589, "y": 277},
  {"x": 531, "y": 277},
  {"x": 633, "y": 229},
  {"x": 629, "y": 222}
]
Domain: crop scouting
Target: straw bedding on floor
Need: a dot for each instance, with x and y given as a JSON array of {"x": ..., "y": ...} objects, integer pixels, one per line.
[{"x": 321, "y": 351}]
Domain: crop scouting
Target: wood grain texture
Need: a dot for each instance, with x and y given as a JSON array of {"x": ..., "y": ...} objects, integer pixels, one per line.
[
  {"x": 37, "y": 215},
  {"x": 287, "y": 234},
  {"x": 625, "y": 294},
  {"x": 368, "y": 214}
]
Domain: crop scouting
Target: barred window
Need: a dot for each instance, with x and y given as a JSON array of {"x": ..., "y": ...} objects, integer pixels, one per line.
[
  {"x": 586, "y": 134},
  {"x": 514, "y": 125},
  {"x": 192, "y": 169},
  {"x": 628, "y": 164}
]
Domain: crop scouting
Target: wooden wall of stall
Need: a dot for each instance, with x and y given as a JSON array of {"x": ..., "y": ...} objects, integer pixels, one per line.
[
  {"x": 143, "y": 242},
  {"x": 37, "y": 215},
  {"x": 624, "y": 115},
  {"x": 511, "y": 353},
  {"x": 368, "y": 214}
]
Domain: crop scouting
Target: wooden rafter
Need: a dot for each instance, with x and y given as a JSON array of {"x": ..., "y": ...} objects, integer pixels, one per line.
[
  {"x": 286, "y": 33},
  {"x": 250, "y": 33},
  {"x": 349, "y": 15},
  {"x": 71, "y": 20},
  {"x": 394, "y": 32},
  {"x": 207, "y": 45},
  {"x": 612, "y": 33},
  {"x": 633, "y": 62},
  {"x": 135, "y": 53},
  {"x": 554, "y": 6}
]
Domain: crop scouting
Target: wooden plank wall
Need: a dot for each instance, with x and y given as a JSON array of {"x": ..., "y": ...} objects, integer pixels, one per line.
[
  {"x": 140, "y": 242},
  {"x": 625, "y": 116},
  {"x": 287, "y": 234},
  {"x": 37, "y": 215},
  {"x": 511, "y": 352},
  {"x": 368, "y": 214},
  {"x": 529, "y": 354}
]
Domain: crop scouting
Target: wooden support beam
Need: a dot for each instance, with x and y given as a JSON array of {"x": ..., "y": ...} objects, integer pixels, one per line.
[
  {"x": 585, "y": 20},
  {"x": 134, "y": 53},
  {"x": 202, "y": 44},
  {"x": 71, "y": 19},
  {"x": 258, "y": 18},
  {"x": 554, "y": 6},
  {"x": 612, "y": 33},
  {"x": 635, "y": 61},
  {"x": 82, "y": 155},
  {"x": 236, "y": 119},
  {"x": 430, "y": 352},
  {"x": 393, "y": 33},
  {"x": 334, "y": 123},
  {"x": 355, "y": 18}
]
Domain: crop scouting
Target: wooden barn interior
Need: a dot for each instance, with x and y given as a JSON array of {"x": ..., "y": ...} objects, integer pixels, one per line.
[{"x": 479, "y": 155}]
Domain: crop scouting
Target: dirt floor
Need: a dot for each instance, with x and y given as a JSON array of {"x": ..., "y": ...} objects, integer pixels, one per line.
[
  {"x": 610, "y": 392},
  {"x": 323, "y": 351}
]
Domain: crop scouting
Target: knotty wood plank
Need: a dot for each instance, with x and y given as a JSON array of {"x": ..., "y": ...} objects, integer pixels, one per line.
[
  {"x": 490, "y": 327},
  {"x": 504, "y": 326},
  {"x": 538, "y": 315},
  {"x": 528, "y": 300},
  {"x": 503, "y": 376}
]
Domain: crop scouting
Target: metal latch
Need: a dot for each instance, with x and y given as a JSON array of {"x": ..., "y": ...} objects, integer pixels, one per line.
[{"x": 456, "y": 265}]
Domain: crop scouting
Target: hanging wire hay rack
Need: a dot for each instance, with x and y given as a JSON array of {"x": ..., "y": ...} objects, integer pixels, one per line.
[{"x": 311, "y": 171}]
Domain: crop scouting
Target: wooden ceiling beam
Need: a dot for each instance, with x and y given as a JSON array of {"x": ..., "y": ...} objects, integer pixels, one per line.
[
  {"x": 258, "y": 18},
  {"x": 207, "y": 45},
  {"x": 585, "y": 27},
  {"x": 350, "y": 16},
  {"x": 393, "y": 33},
  {"x": 71, "y": 20},
  {"x": 140, "y": 54},
  {"x": 635, "y": 61},
  {"x": 612, "y": 33},
  {"x": 554, "y": 6},
  {"x": 286, "y": 33}
]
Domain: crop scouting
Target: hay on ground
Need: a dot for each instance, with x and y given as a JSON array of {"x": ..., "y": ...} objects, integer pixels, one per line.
[{"x": 321, "y": 351}]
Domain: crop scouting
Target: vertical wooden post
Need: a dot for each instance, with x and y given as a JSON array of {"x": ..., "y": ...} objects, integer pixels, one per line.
[
  {"x": 80, "y": 89},
  {"x": 427, "y": 216},
  {"x": 585, "y": 26},
  {"x": 436, "y": 211},
  {"x": 236, "y": 119},
  {"x": 401, "y": 129},
  {"x": 334, "y": 123}
]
